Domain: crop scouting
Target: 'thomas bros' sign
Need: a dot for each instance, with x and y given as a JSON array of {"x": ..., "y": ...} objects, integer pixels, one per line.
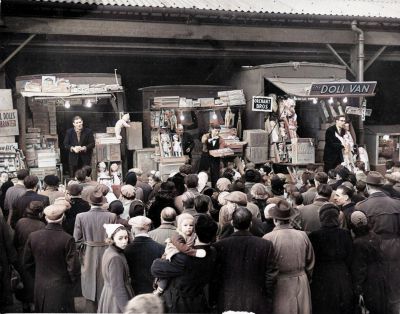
[{"x": 339, "y": 89}]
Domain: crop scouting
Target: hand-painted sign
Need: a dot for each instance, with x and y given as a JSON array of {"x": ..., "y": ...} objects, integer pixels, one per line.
[
  {"x": 262, "y": 103},
  {"x": 8, "y": 122},
  {"x": 358, "y": 111},
  {"x": 341, "y": 89}
]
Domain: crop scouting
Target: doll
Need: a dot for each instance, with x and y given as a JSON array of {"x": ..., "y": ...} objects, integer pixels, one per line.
[
  {"x": 123, "y": 122},
  {"x": 115, "y": 174},
  {"x": 176, "y": 146}
]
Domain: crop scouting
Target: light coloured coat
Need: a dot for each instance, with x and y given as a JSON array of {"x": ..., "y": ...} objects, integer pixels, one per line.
[
  {"x": 295, "y": 258},
  {"x": 90, "y": 235}
]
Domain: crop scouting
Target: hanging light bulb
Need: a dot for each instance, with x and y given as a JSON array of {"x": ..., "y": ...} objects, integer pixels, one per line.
[
  {"x": 67, "y": 104},
  {"x": 345, "y": 100},
  {"x": 88, "y": 103},
  {"x": 214, "y": 116},
  {"x": 330, "y": 101},
  {"x": 182, "y": 117},
  {"x": 315, "y": 101}
]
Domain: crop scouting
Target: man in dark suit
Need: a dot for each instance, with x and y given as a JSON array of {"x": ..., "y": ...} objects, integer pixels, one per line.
[
  {"x": 79, "y": 142},
  {"x": 189, "y": 276},
  {"x": 21, "y": 204},
  {"x": 140, "y": 254},
  {"x": 186, "y": 140},
  {"x": 333, "y": 155},
  {"x": 246, "y": 269}
]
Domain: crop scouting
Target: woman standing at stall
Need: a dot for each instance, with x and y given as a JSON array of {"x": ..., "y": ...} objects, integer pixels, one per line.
[{"x": 117, "y": 290}]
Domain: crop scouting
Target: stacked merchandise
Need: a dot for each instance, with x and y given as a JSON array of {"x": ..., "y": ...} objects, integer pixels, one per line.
[
  {"x": 257, "y": 145},
  {"x": 166, "y": 101},
  {"x": 232, "y": 98}
]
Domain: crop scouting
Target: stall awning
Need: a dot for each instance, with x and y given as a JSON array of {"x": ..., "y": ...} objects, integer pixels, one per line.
[{"x": 299, "y": 87}]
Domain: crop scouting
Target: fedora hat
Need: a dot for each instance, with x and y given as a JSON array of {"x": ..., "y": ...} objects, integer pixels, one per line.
[
  {"x": 375, "y": 178},
  {"x": 96, "y": 198},
  {"x": 394, "y": 176},
  {"x": 282, "y": 211}
]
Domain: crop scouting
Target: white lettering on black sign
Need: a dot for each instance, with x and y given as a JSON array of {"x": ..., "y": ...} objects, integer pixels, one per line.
[{"x": 262, "y": 103}]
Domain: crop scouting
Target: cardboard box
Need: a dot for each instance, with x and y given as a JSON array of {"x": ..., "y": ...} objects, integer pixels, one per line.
[
  {"x": 144, "y": 159},
  {"x": 222, "y": 152},
  {"x": 257, "y": 155},
  {"x": 303, "y": 151},
  {"x": 256, "y": 138}
]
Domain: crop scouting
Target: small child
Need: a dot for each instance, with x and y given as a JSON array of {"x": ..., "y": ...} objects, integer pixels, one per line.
[{"x": 182, "y": 242}]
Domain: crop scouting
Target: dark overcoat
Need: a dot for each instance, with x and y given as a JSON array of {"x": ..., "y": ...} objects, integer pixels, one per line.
[
  {"x": 86, "y": 139},
  {"x": 383, "y": 214},
  {"x": 333, "y": 155},
  {"x": 245, "y": 274},
  {"x": 367, "y": 272},
  {"x": 189, "y": 278},
  {"x": 78, "y": 205},
  {"x": 25, "y": 226},
  {"x": 140, "y": 255},
  {"x": 51, "y": 255},
  {"x": 23, "y": 202},
  {"x": 331, "y": 286}
]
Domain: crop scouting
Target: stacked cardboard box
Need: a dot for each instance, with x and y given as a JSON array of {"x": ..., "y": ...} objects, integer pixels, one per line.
[
  {"x": 166, "y": 101},
  {"x": 232, "y": 97},
  {"x": 257, "y": 145}
]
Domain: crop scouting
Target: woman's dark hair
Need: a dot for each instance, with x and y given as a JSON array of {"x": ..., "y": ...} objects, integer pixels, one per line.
[
  {"x": 116, "y": 207},
  {"x": 179, "y": 181},
  {"x": 202, "y": 203},
  {"x": 131, "y": 178}
]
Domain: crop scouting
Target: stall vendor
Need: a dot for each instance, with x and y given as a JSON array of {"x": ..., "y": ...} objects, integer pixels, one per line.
[
  {"x": 211, "y": 141},
  {"x": 79, "y": 142},
  {"x": 187, "y": 141}
]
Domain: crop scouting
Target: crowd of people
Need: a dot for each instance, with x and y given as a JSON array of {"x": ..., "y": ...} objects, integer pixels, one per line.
[{"x": 256, "y": 242}]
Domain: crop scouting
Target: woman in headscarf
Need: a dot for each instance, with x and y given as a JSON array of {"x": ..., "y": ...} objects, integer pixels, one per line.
[
  {"x": 367, "y": 265},
  {"x": 203, "y": 180},
  {"x": 331, "y": 286},
  {"x": 117, "y": 290}
]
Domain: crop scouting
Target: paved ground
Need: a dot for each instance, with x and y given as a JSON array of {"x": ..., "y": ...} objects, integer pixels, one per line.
[{"x": 17, "y": 306}]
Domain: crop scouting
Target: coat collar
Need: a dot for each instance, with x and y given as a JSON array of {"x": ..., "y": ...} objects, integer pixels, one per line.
[
  {"x": 53, "y": 226},
  {"x": 242, "y": 233},
  {"x": 167, "y": 226},
  {"x": 283, "y": 227},
  {"x": 97, "y": 209},
  {"x": 378, "y": 194}
]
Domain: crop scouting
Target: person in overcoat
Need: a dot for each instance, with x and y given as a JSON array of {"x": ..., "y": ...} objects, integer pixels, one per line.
[
  {"x": 117, "y": 289},
  {"x": 367, "y": 265},
  {"x": 50, "y": 254},
  {"x": 78, "y": 205},
  {"x": 246, "y": 270},
  {"x": 25, "y": 226},
  {"x": 383, "y": 213},
  {"x": 163, "y": 198},
  {"x": 331, "y": 286},
  {"x": 90, "y": 238},
  {"x": 8, "y": 255},
  {"x": 295, "y": 260},
  {"x": 79, "y": 143},
  {"x": 140, "y": 254},
  {"x": 333, "y": 155},
  {"x": 189, "y": 276}
]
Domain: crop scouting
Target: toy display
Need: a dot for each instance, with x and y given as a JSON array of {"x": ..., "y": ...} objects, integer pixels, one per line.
[{"x": 123, "y": 122}]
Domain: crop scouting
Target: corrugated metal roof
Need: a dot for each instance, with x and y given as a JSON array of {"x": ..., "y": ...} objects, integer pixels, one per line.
[{"x": 360, "y": 8}]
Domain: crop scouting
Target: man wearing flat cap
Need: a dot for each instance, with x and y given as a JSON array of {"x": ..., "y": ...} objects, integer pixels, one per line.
[
  {"x": 89, "y": 236},
  {"x": 140, "y": 254},
  {"x": 295, "y": 258},
  {"x": 383, "y": 214},
  {"x": 50, "y": 255}
]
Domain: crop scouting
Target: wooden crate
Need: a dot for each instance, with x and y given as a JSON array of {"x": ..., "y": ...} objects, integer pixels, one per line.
[
  {"x": 257, "y": 155},
  {"x": 256, "y": 138},
  {"x": 143, "y": 159},
  {"x": 167, "y": 168},
  {"x": 134, "y": 136},
  {"x": 303, "y": 151}
]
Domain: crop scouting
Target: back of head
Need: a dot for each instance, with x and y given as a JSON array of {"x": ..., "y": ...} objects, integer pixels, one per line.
[
  {"x": 80, "y": 175},
  {"x": 186, "y": 169},
  {"x": 202, "y": 203},
  {"x": 332, "y": 174},
  {"x": 51, "y": 180},
  {"x": 346, "y": 190},
  {"x": 229, "y": 174},
  {"x": 116, "y": 207},
  {"x": 343, "y": 172},
  {"x": 241, "y": 218},
  {"x": 31, "y": 182},
  {"x": 205, "y": 228},
  {"x": 145, "y": 304},
  {"x": 324, "y": 190},
  {"x": 88, "y": 170},
  {"x": 168, "y": 214},
  {"x": 252, "y": 175},
  {"x": 237, "y": 186},
  {"x": 321, "y": 177},
  {"x": 136, "y": 208},
  {"x": 22, "y": 174},
  {"x": 179, "y": 182},
  {"x": 131, "y": 178},
  {"x": 74, "y": 189},
  {"x": 389, "y": 164},
  {"x": 191, "y": 181},
  {"x": 35, "y": 208},
  {"x": 188, "y": 200}
]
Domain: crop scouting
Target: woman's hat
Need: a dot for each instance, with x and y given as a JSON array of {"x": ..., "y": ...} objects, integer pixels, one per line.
[
  {"x": 128, "y": 191},
  {"x": 394, "y": 176},
  {"x": 111, "y": 228},
  {"x": 375, "y": 178},
  {"x": 358, "y": 218},
  {"x": 282, "y": 211},
  {"x": 237, "y": 197},
  {"x": 258, "y": 191}
]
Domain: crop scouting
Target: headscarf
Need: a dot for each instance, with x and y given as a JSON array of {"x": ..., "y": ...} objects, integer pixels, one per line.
[{"x": 203, "y": 180}]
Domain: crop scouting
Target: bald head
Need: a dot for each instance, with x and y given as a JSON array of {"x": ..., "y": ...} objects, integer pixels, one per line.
[{"x": 168, "y": 214}]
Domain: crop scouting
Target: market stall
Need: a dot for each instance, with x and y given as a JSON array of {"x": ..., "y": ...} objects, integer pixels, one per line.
[{"x": 46, "y": 105}]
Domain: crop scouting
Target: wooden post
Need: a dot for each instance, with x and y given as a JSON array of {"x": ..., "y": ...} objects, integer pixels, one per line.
[{"x": 21, "y": 107}]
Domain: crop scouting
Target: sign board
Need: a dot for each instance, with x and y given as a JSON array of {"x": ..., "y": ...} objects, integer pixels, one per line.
[
  {"x": 342, "y": 89},
  {"x": 8, "y": 122},
  {"x": 8, "y": 147},
  {"x": 261, "y": 103},
  {"x": 358, "y": 111}
]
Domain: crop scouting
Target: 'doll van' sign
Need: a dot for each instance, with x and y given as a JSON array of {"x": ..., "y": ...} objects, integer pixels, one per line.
[
  {"x": 262, "y": 103},
  {"x": 338, "y": 89}
]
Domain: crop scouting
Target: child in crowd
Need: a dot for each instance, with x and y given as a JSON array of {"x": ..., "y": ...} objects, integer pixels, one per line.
[{"x": 183, "y": 241}]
